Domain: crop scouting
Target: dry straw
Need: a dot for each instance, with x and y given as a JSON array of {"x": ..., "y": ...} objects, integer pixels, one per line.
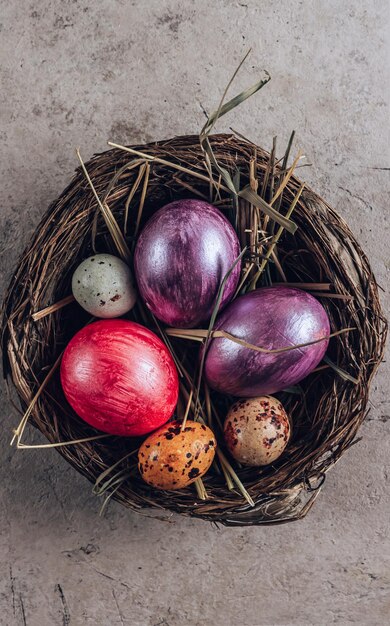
[{"x": 103, "y": 209}]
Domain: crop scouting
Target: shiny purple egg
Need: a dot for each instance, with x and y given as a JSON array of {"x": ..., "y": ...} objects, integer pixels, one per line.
[
  {"x": 271, "y": 318},
  {"x": 180, "y": 260}
]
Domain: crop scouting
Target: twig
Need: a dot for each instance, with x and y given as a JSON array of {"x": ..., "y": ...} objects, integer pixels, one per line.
[
  {"x": 53, "y": 308},
  {"x": 195, "y": 334},
  {"x": 275, "y": 239},
  {"x": 187, "y": 410},
  {"x": 108, "y": 216}
]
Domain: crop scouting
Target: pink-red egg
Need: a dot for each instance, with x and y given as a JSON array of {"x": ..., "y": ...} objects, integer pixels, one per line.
[{"x": 119, "y": 377}]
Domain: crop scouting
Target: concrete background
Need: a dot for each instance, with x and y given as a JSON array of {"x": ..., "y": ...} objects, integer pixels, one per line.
[{"x": 78, "y": 73}]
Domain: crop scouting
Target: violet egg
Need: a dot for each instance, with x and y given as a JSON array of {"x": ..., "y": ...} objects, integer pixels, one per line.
[
  {"x": 271, "y": 318},
  {"x": 257, "y": 430},
  {"x": 181, "y": 257}
]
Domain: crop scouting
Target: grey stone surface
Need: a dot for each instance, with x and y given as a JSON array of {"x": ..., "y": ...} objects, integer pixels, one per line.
[{"x": 77, "y": 73}]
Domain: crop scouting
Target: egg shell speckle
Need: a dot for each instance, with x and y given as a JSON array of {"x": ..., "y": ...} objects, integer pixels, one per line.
[
  {"x": 257, "y": 430},
  {"x": 103, "y": 286},
  {"x": 173, "y": 459}
]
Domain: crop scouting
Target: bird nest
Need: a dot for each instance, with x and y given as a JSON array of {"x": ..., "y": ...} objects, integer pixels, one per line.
[{"x": 102, "y": 210}]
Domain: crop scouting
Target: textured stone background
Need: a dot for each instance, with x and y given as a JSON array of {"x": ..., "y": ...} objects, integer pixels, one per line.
[{"x": 77, "y": 73}]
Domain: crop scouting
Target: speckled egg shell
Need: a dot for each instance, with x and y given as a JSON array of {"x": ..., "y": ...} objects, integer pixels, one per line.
[
  {"x": 103, "y": 286},
  {"x": 257, "y": 430},
  {"x": 171, "y": 459}
]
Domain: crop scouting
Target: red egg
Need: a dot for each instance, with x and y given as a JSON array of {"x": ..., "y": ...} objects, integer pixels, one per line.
[{"x": 119, "y": 377}]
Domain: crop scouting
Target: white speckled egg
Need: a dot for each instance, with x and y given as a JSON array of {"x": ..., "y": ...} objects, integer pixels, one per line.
[
  {"x": 257, "y": 430},
  {"x": 103, "y": 286}
]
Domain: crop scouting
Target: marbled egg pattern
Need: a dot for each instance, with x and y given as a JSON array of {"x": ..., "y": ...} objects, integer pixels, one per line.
[
  {"x": 172, "y": 459},
  {"x": 181, "y": 257},
  {"x": 257, "y": 430},
  {"x": 103, "y": 286},
  {"x": 272, "y": 318}
]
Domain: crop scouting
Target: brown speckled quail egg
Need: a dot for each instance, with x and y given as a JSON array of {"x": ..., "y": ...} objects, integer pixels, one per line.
[
  {"x": 172, "y": 459},
  {"x": 257, "y": 430},
  {"x": 103, "y": 286}
]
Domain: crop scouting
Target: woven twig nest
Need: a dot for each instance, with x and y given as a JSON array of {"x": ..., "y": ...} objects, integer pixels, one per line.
[{"x": 323, "y": 251}]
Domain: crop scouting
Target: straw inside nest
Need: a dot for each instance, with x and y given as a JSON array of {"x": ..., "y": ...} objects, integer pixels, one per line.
[{"x": 323, "y": 257}]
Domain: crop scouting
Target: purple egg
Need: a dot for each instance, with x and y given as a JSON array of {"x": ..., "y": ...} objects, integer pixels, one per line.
[
  {"x": 272, "y": 318},
  {"x": 181, "y": 257}
]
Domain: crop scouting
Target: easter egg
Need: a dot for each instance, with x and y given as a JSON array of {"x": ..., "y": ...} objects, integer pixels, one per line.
[
  {"x": 172, "y": 458},
  {"x": 272, "y": 318},
  {"x": 181, "y": 258},
  {"x": 119, "y": 377},
  {"x": 257, "y": 430},
  {"x": 103, "y": 286}
]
